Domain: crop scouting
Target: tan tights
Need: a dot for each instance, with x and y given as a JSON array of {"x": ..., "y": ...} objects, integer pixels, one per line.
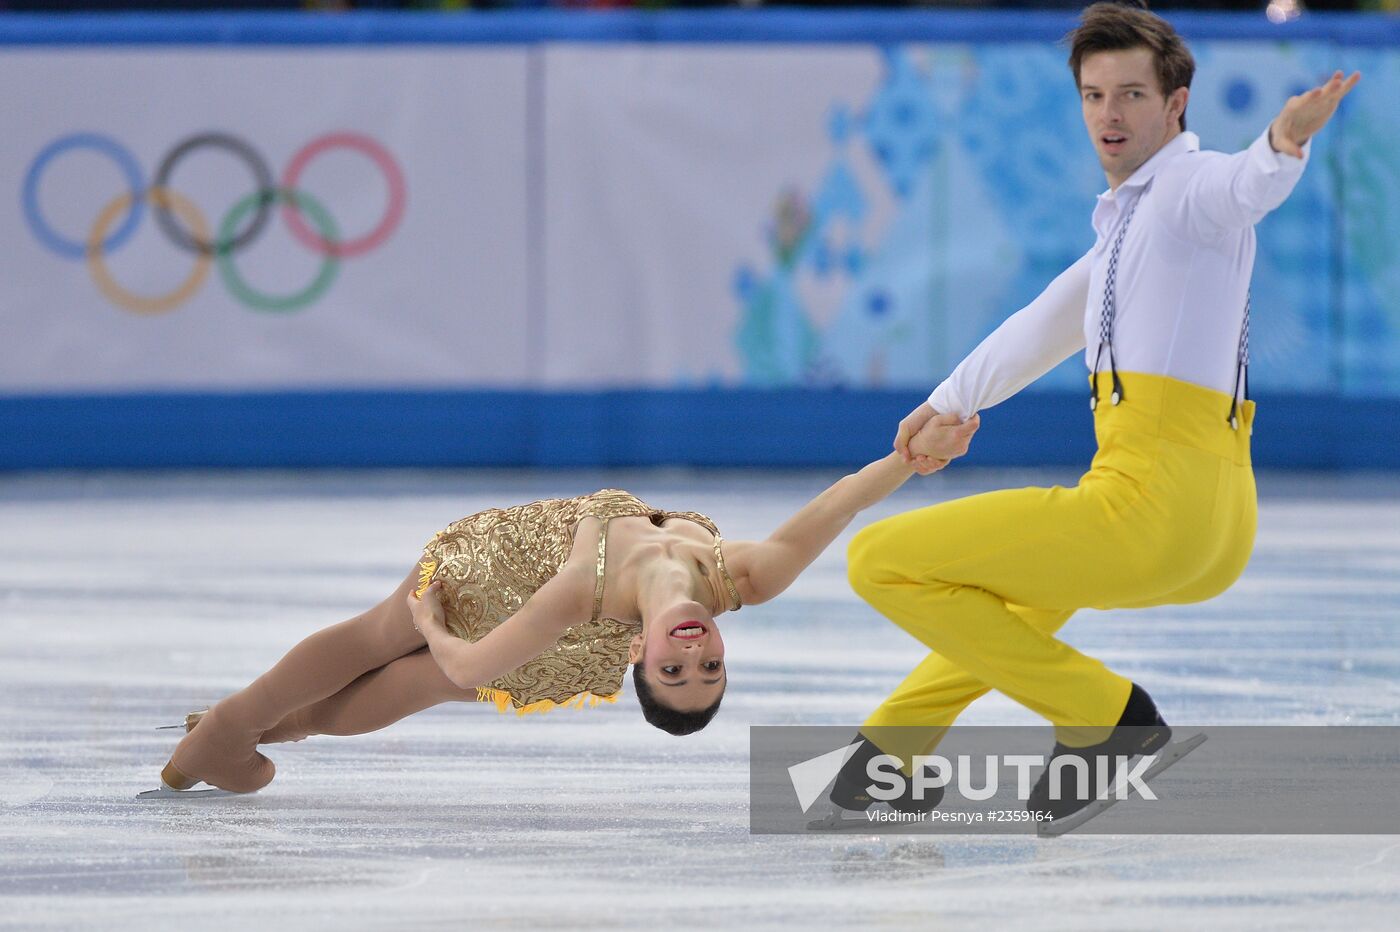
[
  {"x": 373, "y": 701},
  {"x": 348, "y": 679}
]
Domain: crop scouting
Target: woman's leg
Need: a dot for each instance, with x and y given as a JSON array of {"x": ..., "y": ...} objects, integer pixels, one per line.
[
  {"x": 374, "y": 701},
  {"x": 222, "y": 750}
]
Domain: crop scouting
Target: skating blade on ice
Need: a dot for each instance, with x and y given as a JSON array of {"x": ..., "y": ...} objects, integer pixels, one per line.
[{"x": 1169, "y": 755}]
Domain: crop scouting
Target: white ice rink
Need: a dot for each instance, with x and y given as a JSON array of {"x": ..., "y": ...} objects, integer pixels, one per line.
[{"x": 127, "y": 600}]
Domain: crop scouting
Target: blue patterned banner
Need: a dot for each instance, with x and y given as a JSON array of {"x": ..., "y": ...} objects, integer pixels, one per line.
[{"x": 982, "y": 151}]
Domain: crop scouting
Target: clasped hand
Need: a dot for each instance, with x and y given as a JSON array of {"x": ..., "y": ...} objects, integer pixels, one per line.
[
  {"x": 427, "y": 611},
  {"x": 930, "y": 440}
]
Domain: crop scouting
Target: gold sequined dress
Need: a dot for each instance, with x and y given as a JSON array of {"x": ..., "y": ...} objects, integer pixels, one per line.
[{"x": 490, "y": 563}]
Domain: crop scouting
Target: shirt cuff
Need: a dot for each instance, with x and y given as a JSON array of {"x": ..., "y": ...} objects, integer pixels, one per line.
[
  {"x": 942, "y": 398},
  {"x": 1272, "y": 161}
]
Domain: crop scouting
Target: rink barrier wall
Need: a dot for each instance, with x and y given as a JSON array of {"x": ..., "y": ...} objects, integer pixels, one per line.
[
  {"x": 617, "y": 428},
  {"x": 707, "y": 428}
]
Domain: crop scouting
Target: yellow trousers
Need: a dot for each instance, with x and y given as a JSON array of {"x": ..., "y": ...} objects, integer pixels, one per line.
[{"x": 1166, "y": 514}]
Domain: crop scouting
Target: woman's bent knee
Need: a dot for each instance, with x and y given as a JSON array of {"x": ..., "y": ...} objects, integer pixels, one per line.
[{"x": 392, "y": 621}]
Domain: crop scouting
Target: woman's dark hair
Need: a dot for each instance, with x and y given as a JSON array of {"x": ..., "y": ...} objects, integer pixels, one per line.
[
  {"x": 663, "y": 716},
  {"x": 1115, "y": 27}
]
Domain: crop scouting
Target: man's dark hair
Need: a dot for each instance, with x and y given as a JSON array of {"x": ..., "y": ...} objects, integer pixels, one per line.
[
  {"x": 663, "y": 716},
  {"x": 1113, "y": 27}
]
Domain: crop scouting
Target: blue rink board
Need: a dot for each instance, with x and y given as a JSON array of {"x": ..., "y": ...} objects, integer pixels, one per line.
[{"x": 623, "y": 428}]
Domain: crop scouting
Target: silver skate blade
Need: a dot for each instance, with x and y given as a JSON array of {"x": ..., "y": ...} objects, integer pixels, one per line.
[
  {"x": 838, "y": 820},
  {"x": 185, "y": 725},
  {"x": 1169, "y": 755},
  {"x": 165, "y": 792}
]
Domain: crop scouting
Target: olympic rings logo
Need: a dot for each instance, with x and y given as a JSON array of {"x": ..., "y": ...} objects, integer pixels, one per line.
[{"x": 186, "y": 227}]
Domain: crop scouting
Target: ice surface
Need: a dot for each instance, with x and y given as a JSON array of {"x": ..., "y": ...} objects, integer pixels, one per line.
[{"x": 126, "y": 600}]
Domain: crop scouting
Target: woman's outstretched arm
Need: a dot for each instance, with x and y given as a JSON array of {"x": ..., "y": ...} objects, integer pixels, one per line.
[
  {"x": 763, "y": 569},
  {"x": 565, "y": 600}
]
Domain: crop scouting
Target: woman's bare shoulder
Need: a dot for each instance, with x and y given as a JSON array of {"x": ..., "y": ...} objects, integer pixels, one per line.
[{"x": 738, "y": 560}]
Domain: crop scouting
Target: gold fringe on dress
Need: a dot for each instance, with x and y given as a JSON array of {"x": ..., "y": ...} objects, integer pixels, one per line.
[
  {"x": 426, "y": 569},
  {"x": 504, "y": 701}
]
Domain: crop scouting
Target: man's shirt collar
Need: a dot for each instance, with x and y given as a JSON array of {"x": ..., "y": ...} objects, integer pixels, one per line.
[{"x": 1181, "y": 144}]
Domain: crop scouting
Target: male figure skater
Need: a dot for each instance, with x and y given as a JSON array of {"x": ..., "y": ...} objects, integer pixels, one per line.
[{"x": 1166, "y": 513}]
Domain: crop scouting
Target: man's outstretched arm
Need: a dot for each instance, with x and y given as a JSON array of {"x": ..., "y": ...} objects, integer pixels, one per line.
[
  {"x": 1027, "y": 345},
  {"x": 1221, "y": 193}
]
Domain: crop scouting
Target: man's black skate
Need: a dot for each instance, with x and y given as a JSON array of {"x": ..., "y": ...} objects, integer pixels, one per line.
[
  {"x": 1140, "y": 730},
  {"x": 852, "y": 788},
  {"x": 851, "y": 799}
]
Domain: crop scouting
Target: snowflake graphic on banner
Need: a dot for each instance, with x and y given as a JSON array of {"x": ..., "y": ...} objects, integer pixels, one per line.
[{"x": 873, "y": 279}]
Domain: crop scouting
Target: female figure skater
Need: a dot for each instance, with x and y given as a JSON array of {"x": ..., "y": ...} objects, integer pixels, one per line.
[{"x": 537, "y": 606}]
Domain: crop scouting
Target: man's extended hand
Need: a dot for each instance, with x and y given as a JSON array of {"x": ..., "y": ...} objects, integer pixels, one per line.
[{"x": 1302, "y": 116}]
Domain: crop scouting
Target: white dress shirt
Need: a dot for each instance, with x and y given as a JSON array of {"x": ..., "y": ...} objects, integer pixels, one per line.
[{"x": 1183, "y": 275}]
